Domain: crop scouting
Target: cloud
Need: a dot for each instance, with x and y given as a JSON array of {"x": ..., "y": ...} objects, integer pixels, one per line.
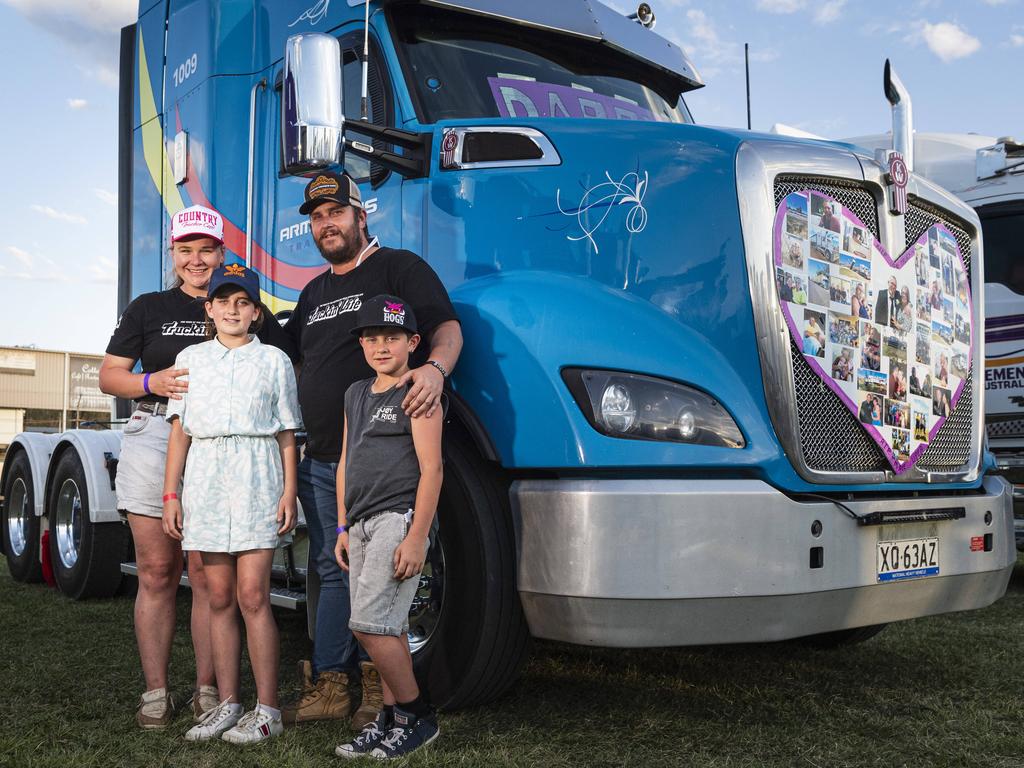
[
  {"x": 1017, "y": 37},
  {"x": 110, "y": 198},
  {"x": 705, "y": 45},
  {"x": 77, "y": 103},
  {"x": 70, "y": 218},
  {"x": 828, "y": 11},
  {"x": 764, "y": 55},
  {"x": 104, "y": 272},
  {"x": 780, "y": 6},
  {"x": 948, "y": 41},
  {"x": 24, "y": 257},
  {"x": 91, "y": 28}
]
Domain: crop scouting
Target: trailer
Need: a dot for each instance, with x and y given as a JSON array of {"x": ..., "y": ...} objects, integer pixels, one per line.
[{"x": 650, "y": 442}]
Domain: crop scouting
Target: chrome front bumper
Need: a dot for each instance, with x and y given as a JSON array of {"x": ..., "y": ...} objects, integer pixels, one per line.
[{"x": 635, "y": 563}]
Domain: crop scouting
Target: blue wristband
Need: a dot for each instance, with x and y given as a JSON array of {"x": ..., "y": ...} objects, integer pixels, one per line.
[
  {"x": 145, "y": 383},
  {"x": 341, "y": 529}
]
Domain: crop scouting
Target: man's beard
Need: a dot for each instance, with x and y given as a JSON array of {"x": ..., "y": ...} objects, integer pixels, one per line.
[{"x": 344, "y": 253}]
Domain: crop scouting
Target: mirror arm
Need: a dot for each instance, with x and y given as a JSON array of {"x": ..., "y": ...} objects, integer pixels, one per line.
[{"x": 413, "y": 164}]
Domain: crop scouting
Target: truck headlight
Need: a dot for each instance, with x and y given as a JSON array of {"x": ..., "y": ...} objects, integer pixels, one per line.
[
  {"x": 617, "y": 412},
  {"x": 641, "y": 407}
]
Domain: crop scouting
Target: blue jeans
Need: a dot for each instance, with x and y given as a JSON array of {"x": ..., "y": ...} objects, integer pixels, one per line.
[{"x": 334, "y": 647}]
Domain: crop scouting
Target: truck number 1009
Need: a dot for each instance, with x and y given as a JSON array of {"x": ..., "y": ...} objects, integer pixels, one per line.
[{"x": 186, "y": 69}]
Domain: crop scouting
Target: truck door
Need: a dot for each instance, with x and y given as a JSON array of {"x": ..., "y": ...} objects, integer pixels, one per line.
[
  {"x": 296, "y": 259},
  {"x": 1003, "y": 225}
]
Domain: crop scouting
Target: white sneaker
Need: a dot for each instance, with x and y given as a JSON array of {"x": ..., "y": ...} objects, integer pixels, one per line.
[
  {"x": 216, "y": 721},
  {"x": 255, "y": 726}
]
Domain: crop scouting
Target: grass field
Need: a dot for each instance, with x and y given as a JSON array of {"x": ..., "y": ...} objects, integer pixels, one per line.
[{"x": 944, "y": 691}]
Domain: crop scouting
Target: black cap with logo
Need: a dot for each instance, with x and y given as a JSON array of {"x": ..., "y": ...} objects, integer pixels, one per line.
[
  {"x": 330, "y": 187},
  {"x": 384, "y": 311}
]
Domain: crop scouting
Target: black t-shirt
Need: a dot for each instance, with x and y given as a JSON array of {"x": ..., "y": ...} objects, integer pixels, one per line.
[
  {"x": 155, "y": 327},
  {"x": 332, "y": 359}
]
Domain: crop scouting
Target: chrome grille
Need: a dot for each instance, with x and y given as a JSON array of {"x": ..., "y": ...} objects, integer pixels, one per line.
[
  {"x": 1005, "y": 428},
  {"x": 951, "y": 447},
  {"x": 831, "y": 438}
]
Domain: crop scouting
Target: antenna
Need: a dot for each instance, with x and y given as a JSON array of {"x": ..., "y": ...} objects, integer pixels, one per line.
[
  {"x": 366, "y": 65},
  {"x": 746, "y": 59}
]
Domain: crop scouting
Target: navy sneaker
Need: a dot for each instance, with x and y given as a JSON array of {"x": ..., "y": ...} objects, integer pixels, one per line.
[
  {"x": 371, "y": 736},
  {"x": 408, "y": 733}
]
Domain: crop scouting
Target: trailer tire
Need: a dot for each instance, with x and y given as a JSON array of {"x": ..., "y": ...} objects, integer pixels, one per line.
[
  {"x": 86, "y": 556},
  {"x": 20, "y": 523},
  {"x": 476, "y": 648}
]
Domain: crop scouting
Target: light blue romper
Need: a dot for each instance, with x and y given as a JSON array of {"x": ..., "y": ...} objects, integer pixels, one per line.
[{"x": 237, "y": 402}]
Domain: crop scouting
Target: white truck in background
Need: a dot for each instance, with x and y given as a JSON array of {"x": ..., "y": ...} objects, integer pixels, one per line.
[{"x": 987, "y": 173}]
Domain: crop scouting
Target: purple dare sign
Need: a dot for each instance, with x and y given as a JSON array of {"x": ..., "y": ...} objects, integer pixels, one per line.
[{"x": 528, "y": 98}]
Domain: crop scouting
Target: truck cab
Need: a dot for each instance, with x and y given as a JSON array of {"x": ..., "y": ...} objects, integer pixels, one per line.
[{"x": 640, "y": 451}]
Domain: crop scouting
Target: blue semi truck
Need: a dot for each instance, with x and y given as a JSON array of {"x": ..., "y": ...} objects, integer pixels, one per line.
[{"x": 642, "y": 449}]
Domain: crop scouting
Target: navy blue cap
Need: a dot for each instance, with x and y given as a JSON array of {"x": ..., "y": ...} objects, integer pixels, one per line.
[
  {"x": 236, "y": 274},
  {"x": 385, "y": 311}
]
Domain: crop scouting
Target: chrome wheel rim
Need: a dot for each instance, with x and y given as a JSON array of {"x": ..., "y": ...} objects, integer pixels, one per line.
[
  {"x": 67, "y": 526},
  {"x": 428, "y": 602},
  {"x": 17, "y": 518}
]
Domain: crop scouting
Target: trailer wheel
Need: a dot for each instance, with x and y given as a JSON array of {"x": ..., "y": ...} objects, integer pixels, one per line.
[
  {"x": 21, "y": 525},
  {"x": 467, "y": 632},
  {"x": 843, "y": 637},
  {"x": 86, "y": 556}
]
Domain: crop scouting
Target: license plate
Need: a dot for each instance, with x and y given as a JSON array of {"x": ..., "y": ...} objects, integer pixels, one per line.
[{"x": 908, "y": 559}]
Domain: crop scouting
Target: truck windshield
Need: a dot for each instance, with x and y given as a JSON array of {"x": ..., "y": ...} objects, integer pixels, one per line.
[
  {"x": 1002, "y": 228},
  {"x": 463, "y": 66}
]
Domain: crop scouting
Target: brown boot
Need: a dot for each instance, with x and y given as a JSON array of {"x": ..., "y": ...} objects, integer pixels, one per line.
[
  {"x": 306, "y": 674},
  {"x": 327, "y": 699},
  {"x": 373, "y": 697}
]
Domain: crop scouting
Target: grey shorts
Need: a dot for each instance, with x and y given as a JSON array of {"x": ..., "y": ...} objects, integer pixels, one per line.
[
  {"x": 380, "y": 603},
  {"x": 140, "y": 466}
]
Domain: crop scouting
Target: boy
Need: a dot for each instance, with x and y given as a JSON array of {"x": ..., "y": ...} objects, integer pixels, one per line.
[{"x": 389, "y": 480}]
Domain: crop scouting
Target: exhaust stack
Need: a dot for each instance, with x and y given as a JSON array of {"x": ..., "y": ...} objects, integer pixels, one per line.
[{"x": 902, "y": 115}]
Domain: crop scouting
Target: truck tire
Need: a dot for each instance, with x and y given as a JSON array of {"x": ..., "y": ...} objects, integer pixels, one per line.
[
  {"x": 466, "y": 630},
  {"x": 86, "y": 556},
  {"x": 21, "y": 525},
  {"x": 843, "y": 637}
]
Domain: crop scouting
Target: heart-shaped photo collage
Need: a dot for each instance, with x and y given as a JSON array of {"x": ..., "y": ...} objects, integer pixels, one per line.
[{"x": 893, "y": 339}]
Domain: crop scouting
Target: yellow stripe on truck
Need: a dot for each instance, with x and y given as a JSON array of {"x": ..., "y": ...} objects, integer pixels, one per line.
[
  {"x": 153, "y": 139},
  {"x": 999, "y": 362},
  {"x": 274, "y": 303}
]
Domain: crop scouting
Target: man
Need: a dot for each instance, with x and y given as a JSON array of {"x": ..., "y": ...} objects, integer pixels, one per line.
[
  {"x": 887, "y": 303},
  {"x": 331, "y": 360}
]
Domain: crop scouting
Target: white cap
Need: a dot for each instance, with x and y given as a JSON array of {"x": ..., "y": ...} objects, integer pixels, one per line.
[{"x": 197, "y": 221}]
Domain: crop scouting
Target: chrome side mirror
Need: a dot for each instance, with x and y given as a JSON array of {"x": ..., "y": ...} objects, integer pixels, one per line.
[{"x": 312, "y": 120}]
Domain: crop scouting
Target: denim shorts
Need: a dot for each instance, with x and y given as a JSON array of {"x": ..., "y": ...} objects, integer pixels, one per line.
[
  {"x": 140, "y": 468},
  {"x": 380, "y": 602}
]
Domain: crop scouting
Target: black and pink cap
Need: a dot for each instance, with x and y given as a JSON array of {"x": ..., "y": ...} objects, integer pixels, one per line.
[{"x": 385, "y": 311}]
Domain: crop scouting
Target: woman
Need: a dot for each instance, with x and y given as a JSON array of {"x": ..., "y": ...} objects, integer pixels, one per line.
[
  {"x": 153, "y": 329},
  {"x": 857, "y": 306},
  {"x": 905, "y": 312}
]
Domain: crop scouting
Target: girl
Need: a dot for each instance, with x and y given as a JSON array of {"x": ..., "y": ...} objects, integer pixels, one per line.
[
  {"x": 154, "y": 328},
  {"x": 235, "y": 424}
]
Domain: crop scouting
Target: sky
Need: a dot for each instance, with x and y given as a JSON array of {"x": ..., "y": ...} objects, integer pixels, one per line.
[{"x": 814, "y": 65}]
